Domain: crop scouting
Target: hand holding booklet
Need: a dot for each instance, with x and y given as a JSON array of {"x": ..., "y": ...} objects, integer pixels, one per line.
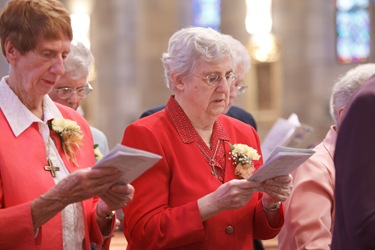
[
  {"x": 282, "y": 161},
  {"x": 130, "y": 161}
]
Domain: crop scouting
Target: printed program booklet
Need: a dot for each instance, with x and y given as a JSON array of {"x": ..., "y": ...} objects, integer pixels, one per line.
[
  {"x": 132, "y": 162},
  {"x": 282, "y": 161},
  {"x": 287, "y": 133}
]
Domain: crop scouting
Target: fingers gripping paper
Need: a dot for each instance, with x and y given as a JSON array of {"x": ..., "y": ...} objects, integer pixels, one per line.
[{"x": 130, "y": 161}]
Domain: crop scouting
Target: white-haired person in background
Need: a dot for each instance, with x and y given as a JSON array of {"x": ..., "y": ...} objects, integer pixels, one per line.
[
  {"x": 310, "y": 209},
  {"x": 73, "y": 86}
]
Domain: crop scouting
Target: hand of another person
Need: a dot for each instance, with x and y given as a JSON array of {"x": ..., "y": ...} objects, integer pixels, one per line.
[
  {"x": 277, "y": 189},
  {"x": 118, "y": 196},
  {"x": 230, "y": 195}
]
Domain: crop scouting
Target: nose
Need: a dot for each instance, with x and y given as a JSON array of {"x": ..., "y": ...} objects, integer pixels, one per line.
[
  {"x": 74, "y": 100},
  {"x": 57, "y": 66},
  {"x": 224, "y": 85}
]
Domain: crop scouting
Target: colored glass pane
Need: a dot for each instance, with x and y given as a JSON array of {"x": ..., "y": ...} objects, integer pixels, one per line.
[
  {"x": 353, "y": 30},
  {"x": 206, "y": 13}
]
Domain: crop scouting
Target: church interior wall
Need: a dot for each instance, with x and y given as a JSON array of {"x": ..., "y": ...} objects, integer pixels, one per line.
[{"x": 128, "y": 38}]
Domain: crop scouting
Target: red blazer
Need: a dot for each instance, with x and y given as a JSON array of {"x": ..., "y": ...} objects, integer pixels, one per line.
[
  {"x": 355, "y": 174},
  {"x": 164, "y": 212},
  {"x": 23, "y": 178}
]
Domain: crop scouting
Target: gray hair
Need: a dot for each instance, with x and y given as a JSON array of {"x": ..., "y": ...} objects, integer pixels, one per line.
[
  {"x": 240, "y": 53},
  {"x": 187, "y": 45},
  {"x": 347, "y": 86},
  {"x": 79, "y": 61}
]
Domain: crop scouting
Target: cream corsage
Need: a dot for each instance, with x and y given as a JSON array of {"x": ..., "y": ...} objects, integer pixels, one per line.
[
  {"x": 98, "y": 154},
  {"x": 70, "y": 135},
  {"x": 243, "y": 157}
]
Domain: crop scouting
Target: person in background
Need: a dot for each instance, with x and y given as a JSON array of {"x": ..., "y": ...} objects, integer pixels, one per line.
[
  {"x": 242, "y": 65},
  {"x": 73, "y": 86},
  {"x": 195, "y": 197},
  {"x": 49, "y": 197},
  {"x": 355, "y": 174},
  {"x": 310, "y": 209},
  {"x": 242, "y": 61}
]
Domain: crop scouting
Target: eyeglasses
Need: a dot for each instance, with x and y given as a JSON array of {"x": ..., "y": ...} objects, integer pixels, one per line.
[
  {"x": 214, "y": 79},
  {"x": 240, "y": 89},
  {"x": 65, "y": 92}
]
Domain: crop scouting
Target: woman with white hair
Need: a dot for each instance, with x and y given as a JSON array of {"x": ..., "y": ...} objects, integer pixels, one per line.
[
  {"x": 197, "y": 196},
  {"x": 73, "y": 86}
]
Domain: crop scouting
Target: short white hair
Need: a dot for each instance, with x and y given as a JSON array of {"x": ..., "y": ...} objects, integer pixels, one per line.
[
  {"x": 240, "y": 53},
  {"x": 188, "y": 45},
  {"x": 347, "y": 85},
  {"x": 79, "y": 60}
]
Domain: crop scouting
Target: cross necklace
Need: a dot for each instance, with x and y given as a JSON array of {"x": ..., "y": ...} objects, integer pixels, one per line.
[
  {"x": 211, "y": 161},
  {"x": 50, "y": 166}
]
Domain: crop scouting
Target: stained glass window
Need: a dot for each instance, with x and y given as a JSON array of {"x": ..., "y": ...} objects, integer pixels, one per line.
[
  {"x": 206, "y": 13},
  {"x": 353, "y": 30}
]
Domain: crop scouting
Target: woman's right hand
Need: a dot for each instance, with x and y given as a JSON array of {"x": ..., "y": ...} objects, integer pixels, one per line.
[
  {"x": 230, "y": 195},
  {"x": 76, "y": 187}
]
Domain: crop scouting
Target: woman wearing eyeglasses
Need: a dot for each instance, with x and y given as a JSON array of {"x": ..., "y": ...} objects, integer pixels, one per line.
[
  {"x": 194, "y": 198},
  {"x": 73, "y": 86}
]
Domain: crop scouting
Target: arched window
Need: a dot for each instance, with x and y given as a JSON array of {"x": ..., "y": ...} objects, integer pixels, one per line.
[
  {"x": 353, "y": 31},
  {"x": 206, "y": 13}
]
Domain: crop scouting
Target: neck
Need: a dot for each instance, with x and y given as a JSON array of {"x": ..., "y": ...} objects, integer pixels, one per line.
[
  {"x": 34, "y": 104},
  {"x": 205, "y": 133}
]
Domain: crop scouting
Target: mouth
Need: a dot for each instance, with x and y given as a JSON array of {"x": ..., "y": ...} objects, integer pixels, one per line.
[{"x": 218, "y": 100}]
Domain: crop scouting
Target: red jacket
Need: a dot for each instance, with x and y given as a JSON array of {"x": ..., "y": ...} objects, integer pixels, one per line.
[
  {"x": 23, "y": 178},
  {"x": 164, "y": 212}
]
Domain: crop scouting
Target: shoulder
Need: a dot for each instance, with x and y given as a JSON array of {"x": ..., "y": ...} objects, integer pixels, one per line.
[
  {"x": 242, "y": 115},
  {"x": 236, "y": 127},
  {"x": 70, "y": 113},
  {"x": 151, "y": 111},
  {"x": 97, "y": 131}
]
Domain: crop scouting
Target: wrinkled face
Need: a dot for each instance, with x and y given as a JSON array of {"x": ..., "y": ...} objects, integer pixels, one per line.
[
  {"x": 67, "y": 91},
  {"x": 204, "y": 98},
  {"x": 37, "y": 71}
]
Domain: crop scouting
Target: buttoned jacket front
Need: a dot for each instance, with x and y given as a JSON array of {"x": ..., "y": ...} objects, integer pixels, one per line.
[{"x": 164, "y": 212}]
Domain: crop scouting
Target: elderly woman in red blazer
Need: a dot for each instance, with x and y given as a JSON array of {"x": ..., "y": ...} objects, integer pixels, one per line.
[
  {"x": 196, "y": 197},
  {"x": 46, "y": 187}
]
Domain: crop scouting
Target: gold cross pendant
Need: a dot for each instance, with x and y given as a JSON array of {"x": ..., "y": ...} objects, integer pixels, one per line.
[{"x": 51, "y": 168}]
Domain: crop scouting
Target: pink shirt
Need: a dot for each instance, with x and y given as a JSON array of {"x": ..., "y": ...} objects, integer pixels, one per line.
[{"x": 310, "y": 208}]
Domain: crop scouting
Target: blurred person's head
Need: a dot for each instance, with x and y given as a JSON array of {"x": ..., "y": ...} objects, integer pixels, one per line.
[
  {"x": 73, "y": 85},
  {"x": 241, "y": 60},
  {"x": 346, "y": 87},
  {"x": 198, "y": 68}
]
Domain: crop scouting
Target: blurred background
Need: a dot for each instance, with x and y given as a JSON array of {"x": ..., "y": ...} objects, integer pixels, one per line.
[{"x": 298, "y": 49}]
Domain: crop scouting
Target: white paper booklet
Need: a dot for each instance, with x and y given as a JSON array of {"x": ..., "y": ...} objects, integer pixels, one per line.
[
  {"x": 132, "y": 162},
  {"x": 282, "y": 161},
  {"x": 287, "y": 133}
]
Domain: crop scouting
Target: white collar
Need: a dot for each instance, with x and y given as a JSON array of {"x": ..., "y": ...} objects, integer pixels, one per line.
[{"x": 18, "y": 116}]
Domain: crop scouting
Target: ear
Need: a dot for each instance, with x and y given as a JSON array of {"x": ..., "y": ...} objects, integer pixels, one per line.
[
  {"x": 177, "y": 82},
  {"x": 10, "y": 51},
  {"x": 340, "y": 115}
]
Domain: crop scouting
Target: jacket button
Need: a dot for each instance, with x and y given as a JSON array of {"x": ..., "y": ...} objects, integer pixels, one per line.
[{"x": 229, "y": 230}]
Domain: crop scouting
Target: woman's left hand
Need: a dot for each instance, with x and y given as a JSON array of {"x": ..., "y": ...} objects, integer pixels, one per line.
[
  {"x": 118, "y": 196},
  {"x": 277, "y": 189}
]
